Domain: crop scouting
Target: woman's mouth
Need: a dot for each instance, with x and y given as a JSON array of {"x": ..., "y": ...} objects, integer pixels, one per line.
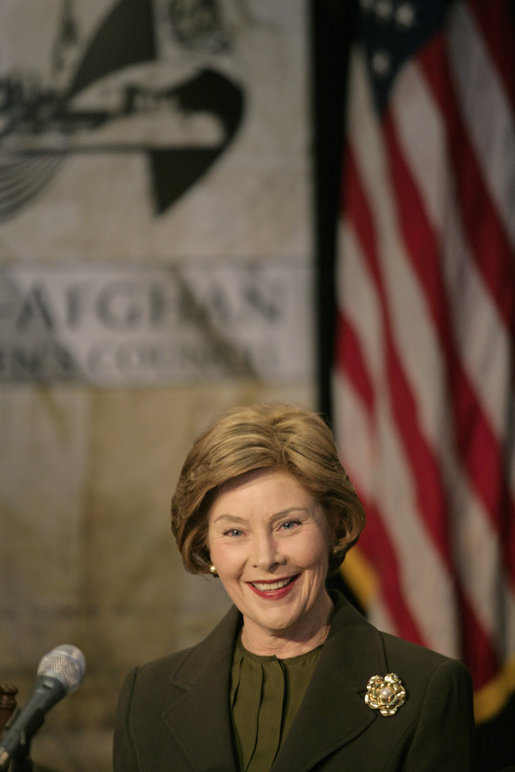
[{"x": 276, "y": 588}]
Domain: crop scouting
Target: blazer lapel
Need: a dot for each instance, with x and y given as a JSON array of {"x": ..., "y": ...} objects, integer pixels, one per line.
[
  {"x": 333, "y": 711},
  {"x": 199, "y": 717}
]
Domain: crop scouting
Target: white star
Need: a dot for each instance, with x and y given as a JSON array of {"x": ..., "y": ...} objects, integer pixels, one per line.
[
  {"x": 384, "y": 9},
  {"x": 405, "y": 15},
  {"x": 381, "y": 62}
]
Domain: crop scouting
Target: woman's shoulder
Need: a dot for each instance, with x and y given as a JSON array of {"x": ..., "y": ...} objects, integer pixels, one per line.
[
  {"x": 155, "y": 669},
  {"x": 419, "y": 659},
  {"x": 186, "y": 664},
  {"x": 148, "y": 679},
  {"x": 419, "y": 662}
]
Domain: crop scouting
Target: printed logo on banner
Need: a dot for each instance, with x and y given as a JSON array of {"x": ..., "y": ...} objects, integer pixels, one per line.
[
  {"x": 142, "y": 325},
  {"x": 182, "y": 123}
]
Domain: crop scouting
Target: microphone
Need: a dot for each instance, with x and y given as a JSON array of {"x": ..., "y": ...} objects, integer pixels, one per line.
[{"x": 60, "y": 672}]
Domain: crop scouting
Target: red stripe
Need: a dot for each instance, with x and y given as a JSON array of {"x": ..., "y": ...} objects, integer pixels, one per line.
[
  {"x": 350, "y": 359},
  {"x": 376, "y": 544},
  {"x": 475, "y": 645},
  {"x": 475, "y": 649},
  {"x": 495, "y": 20},
  {"x": 476, "y": 443},
  {"x": 426, "y": 473},
  {"x": 486, "y": 459},
  {"x": 355, "y": 201},
  {"x": 375, "y": 539},
  {"x": 481, "y": 221},
  {"x": 427, "y": 477}
]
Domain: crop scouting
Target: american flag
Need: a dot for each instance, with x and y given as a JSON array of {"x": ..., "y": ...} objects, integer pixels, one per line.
[{"x": 423, "y": 391}]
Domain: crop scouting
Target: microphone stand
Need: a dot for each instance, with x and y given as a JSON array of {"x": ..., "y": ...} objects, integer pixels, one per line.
[
  {"x": 8, "y": 707},
  {"x": 20, "y": 762}
]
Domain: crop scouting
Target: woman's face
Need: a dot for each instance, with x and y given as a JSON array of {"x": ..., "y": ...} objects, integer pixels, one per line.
[{"x": 269, "y": 541}]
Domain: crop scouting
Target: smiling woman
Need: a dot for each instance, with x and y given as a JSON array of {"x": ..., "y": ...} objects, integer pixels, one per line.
[
  {"x": 270, "y": 543},
  {"x": 293, "y": 678}
]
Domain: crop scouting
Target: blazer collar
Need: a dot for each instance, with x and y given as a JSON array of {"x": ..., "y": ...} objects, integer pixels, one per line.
[{"x": 332, "y": 713}]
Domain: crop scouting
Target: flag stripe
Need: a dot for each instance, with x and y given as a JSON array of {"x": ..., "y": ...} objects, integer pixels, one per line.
[
  {"x": 424, "y": 357},
  {"x": 475, "y": 72},
  {"x": 495, "y": 22},
  {"x": 478, "y": 447},
  {"x": 407, "y": 532},
  {"x": 356, "y": 433},
  {"x": 429, "y": 501},
  {"x": 480, "y": 218},
  {"x": 431, "y": 505},
  {"x": 349, "y": 351},
  {"x": 369, "y": 151},
  {"x": 386, "y": 559},
  {"x": 376, "y": 538},
  {"x": 488, "y": 357},
  {"x": 474, "y": 333}
]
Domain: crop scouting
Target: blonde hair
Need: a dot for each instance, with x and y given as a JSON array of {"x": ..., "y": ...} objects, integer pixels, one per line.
[{"x": 269, "y": 436}]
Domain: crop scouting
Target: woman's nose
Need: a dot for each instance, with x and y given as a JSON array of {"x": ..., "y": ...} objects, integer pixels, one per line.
[{"x": 265, "y": 553}]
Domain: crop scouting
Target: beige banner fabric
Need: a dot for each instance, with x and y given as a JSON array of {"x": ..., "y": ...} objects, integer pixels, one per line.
[{"x": 155, "y": 268}]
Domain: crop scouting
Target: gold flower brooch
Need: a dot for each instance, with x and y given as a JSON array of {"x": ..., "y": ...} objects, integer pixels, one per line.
[{"x": 386, "y": 694}]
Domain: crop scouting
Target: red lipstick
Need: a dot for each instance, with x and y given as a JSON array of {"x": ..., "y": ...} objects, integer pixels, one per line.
[{"x": 279, "y": 588}]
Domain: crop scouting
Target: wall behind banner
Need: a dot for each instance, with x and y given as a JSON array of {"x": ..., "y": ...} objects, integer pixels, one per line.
[{"x": 155, "y": 268}]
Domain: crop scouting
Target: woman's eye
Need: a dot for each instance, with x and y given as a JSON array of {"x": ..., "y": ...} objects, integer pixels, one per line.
[
  {"x": 233, "y": 532},
  {"x": 289, "y": 525}
]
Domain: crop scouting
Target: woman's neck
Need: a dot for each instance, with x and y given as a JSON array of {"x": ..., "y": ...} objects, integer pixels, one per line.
[{"x": 285, "y": 644}]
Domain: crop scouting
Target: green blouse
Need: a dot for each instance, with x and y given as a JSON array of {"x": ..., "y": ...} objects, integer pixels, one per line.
[{"x": 266, "y": 693}]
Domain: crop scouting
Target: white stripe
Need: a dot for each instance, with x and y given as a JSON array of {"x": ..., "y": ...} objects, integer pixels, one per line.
[
  {"x": 357, "y": 296},
  {"x": 486, "y": 109},
  {"x": 354, "y": 434},
  {"x": 430, "y": 600},
  {"x": 479, "y": 333},
  {"x": 413, "y": 329},
  {"x": 476, "y": 322},
  {"x": 355, "y": 438},
  {"x": 379, "y": 615},
  {"x": 421, "y": 355},
  {"x": 478, "y": 559},
  {"x": 426, "y": 585}
]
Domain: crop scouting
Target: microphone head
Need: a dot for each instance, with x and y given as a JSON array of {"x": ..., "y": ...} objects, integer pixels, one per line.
[{"x": 66, "y": 663}]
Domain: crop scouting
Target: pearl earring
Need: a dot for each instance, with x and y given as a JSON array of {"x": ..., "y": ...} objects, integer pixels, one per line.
[{"x": 212, "y": 570}]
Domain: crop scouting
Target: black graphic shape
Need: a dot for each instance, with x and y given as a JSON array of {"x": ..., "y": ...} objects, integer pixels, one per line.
[
  {"x": 176, "y": 170},
  {"x": 39, "y": 127},
  {"x": 125, "y": 38}
]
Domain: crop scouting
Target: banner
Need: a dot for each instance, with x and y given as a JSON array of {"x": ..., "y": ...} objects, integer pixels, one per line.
[{"x": 155, "y": 269}]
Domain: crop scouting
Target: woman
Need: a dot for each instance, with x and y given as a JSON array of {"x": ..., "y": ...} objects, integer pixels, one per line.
[{"x": 293, "y": 678}]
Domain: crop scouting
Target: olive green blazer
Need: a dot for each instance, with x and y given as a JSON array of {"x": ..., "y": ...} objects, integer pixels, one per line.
[{"x": 174, "y": 715}]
